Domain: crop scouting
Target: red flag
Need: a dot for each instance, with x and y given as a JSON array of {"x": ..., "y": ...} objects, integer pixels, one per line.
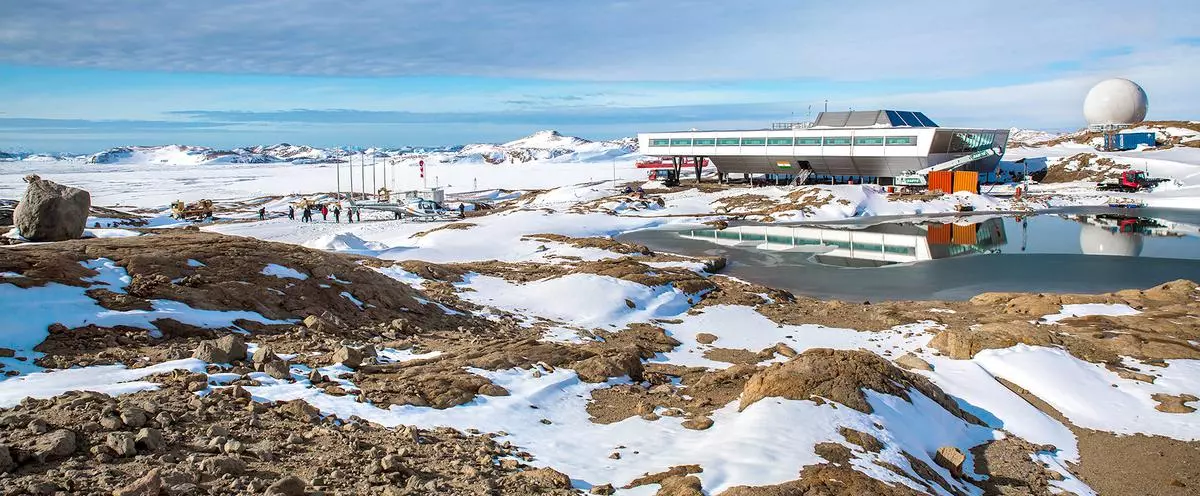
[{"x": 422, "y": 169}]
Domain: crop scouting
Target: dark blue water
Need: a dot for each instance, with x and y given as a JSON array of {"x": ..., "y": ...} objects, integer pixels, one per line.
[{"x": 1078, "y": 251}]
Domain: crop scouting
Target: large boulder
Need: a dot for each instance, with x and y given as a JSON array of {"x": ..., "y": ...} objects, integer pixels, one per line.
[{"x": 51, "y": 212}]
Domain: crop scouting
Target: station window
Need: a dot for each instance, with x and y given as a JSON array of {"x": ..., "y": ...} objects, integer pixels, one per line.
[
  {"x": 754, "y": 141},
  {"x": 868, "y": 140},
  {"x": 704, "y": 141},
  {"x": 901, "y": 140},
  {"x": 728, "y": 141},
  {"x": 779, "y": 141},
  {"x": 808, "y": 141},
  {"x": 660, "y": 142},
  {"x": 681, "y": 142},
  {"x": 832, "y": 141}
]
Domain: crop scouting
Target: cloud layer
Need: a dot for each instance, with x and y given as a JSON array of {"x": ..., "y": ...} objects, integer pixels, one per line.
[{"x": 586, "y": 39}]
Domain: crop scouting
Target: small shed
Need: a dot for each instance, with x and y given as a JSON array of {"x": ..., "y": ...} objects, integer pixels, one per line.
[{"x": 1131, "y": 140}]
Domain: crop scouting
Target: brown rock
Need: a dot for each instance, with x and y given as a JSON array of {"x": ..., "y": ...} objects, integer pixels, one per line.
[
  {"x": 913, "y": 362},
  {"x": 348, "y": 356},
  {"x": 1173, "y": 404},
  {"x": 279, "y": 369},
  {"x": 841, "y": 376},
  {"x": 545, "y": 478},
  {"x": 148, "y": 485},
  {"x": 227, "y": 349},
  {"x": 603, "y": 489},
  {"x": 121, "y": 443},
  {"x": 57, "y": 444},
  {"x": 6, "y": 460},
  {"x": 299, "y": 410},
  {"x": 862, "y": 439},
  {"x": 221, "y": 465},
  {"x": 697, "y": 423},
  {"x": 950, "y": 458},
  {"x": 490, "y": 389},
  {"x": 287, "y": 486},
  {"x": 706, "y": 338},
  {"x": 263, "y": 355},
  {"x": 785, "y": 350},
  {"x": 833, "y": 452},
  {"x": 133, "y": 417},
  {"x": 601, "y": 368},
  {"x": 688, "y": 485},
  {"x": 148, "y": 438},
  {"x": 319, "y": 324}
]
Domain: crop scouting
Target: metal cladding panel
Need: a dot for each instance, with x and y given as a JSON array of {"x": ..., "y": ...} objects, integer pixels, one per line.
[
  {"x": 938, "y": 234},
  {"x": 832, "y": 119},
  {"x": 966, "y": 181},
  {"x": 964, "y": 235},
  {"x": 941, "y": 181},
  {"x": 864, "y": 119}
]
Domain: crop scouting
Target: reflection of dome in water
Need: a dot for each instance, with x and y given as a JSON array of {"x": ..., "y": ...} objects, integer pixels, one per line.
[
  {"x": 1115, "y": 101},
  {"x": 1096, "y": 240}
]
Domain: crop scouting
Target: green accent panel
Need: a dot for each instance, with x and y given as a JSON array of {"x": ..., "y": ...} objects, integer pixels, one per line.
[
  {"x": 704, "y": 141},
  {"x": 779, "y": 141},
  {"x": 681, "y": 142},
  {"x": 754, "y": 141},
  {"x": 728, "y": 142},
  {"x": 660, "y": 142},
  {"x": 868, "y": 140},
  {"x": 831, "y": 141},
  {"x": 902, "y": 140},
  {"x": 808, "y": 141}
]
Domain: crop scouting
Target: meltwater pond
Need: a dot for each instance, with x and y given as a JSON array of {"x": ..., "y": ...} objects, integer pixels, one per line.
[{"x": 1069, "y": 252}]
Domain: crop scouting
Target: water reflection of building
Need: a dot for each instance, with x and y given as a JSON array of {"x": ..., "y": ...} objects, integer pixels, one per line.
[{"x": 874, "y": 246}]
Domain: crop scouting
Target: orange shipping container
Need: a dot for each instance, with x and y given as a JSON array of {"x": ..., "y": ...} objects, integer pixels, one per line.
[
  {"x": 966, "y": 181},
  {"x": 941, "y": 181},
  {"x": 965, "y": 235},
  {"x": 938, "y": 234}
]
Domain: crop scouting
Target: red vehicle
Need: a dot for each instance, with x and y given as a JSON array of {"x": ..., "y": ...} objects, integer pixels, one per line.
[
  {"x": 666, "y": 163},
  {"x": 1130, "y": 181}
]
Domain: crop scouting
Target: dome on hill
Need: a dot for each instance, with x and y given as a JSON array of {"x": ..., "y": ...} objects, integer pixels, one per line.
[{"x": 1115, "y": 101}]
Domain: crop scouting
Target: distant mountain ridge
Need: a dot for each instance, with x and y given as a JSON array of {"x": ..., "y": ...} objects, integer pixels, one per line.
[{"x": 542, "y": 145}]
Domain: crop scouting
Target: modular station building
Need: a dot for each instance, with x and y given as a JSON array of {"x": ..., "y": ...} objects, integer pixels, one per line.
[
  {"x": 875, "y": 246},
  {"x": 878, "y": 144}
]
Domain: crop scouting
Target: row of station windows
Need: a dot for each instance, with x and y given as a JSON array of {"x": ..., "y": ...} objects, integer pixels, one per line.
[
  {"x": 788, "y": 141},
  {"x": 800, "y": 241}
]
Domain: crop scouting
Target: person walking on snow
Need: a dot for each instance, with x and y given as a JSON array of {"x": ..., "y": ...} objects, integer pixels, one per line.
[
  {"x": 358, "y": 213},
  {"x": 291, "y": 212},
  {"x": 262, "y": 213},
  {"x": 337, "y": 214},
  {"x": 324, "y": 212},
  {"x": 306, "y": 216}
]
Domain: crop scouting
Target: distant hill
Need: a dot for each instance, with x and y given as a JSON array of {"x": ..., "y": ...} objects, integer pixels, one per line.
[{"x": 542, "y": 145}]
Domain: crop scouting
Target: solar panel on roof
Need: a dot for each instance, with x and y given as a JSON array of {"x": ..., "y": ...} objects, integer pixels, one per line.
[{"x": 925, "y": 121}]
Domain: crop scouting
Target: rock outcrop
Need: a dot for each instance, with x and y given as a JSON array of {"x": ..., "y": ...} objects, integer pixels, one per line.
[{"x": 51, "y": 212}]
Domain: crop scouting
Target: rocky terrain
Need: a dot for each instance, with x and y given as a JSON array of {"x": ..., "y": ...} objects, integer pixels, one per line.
[{"x": 207, "y": 428}]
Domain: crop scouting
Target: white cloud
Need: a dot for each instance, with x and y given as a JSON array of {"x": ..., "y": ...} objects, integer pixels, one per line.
[{"x": 587, "y": 40}]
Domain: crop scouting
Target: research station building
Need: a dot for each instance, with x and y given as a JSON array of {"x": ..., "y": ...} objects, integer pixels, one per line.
[{"x": 879, "y": 144}]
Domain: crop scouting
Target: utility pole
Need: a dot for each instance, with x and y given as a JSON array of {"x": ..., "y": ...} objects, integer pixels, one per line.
[
  {"x": 338, "y": 166},
  {"x": 362, "y": 173},
  {"x": 350, "y": 162},
  {"x": 374, "y": 175}
]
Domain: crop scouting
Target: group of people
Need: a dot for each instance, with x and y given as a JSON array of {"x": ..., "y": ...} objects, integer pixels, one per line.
[{"x": 306, "y": 215}]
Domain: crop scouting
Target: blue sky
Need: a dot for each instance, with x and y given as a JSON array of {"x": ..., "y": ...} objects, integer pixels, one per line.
[{"x": 81, "y": 76}]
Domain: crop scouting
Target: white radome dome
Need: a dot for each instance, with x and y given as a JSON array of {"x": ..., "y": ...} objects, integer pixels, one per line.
[
  {"x": 1115, "y": 101},
  {"x": 1096, "y": 240}
]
